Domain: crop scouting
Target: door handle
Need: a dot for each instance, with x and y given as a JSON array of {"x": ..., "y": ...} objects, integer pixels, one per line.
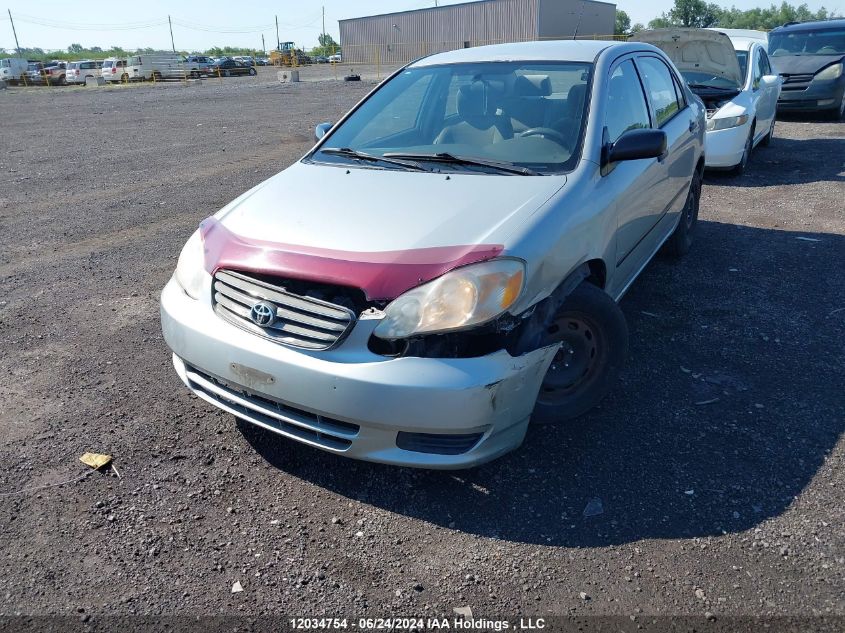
[{"x": 692, "y": 125}]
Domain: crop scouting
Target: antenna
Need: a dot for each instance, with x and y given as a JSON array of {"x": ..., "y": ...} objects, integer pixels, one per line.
[{"x": 580, "y": 15}]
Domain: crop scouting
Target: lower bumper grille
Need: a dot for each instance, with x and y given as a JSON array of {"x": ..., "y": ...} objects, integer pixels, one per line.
[
  {"x": 437, "y": 443},
  {"x": 274, "y": 416}
]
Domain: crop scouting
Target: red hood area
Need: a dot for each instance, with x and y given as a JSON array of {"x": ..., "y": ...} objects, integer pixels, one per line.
[{"x": 381, "y": 275}]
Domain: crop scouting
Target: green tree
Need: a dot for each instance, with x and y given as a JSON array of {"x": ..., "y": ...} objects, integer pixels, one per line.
[
  {"x": 639, "y": 26},
  {"x": 695, "y": 14},
  {"x": 623, "y": 23},
  {"x": 75, "y": 49},
  {"x": 327, "y": 46}
]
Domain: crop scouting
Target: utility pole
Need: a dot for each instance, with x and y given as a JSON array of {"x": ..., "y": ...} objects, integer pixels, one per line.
[
  {"x": 172, "y": 43},
  {"x": 278, "y": 41},
  {"x": 324, "y": 24},
  {"x": 263, "y": 48},
  {"x": 18, "y": 46}
]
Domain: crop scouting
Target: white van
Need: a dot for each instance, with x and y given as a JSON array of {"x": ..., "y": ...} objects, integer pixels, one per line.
[
  {"x": 12, "y": 69},
  {"x": 157, "y": 66},
  {"x": 114, "y": 69},
  {"x": 78, "y": 72}
]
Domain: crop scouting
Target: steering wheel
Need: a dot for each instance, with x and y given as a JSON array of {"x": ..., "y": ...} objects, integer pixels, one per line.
[{"x": 546, "y": 132}]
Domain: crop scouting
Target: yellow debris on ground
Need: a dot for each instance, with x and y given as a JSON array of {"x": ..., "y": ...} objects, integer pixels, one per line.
[{"x": 96, "y": 460}]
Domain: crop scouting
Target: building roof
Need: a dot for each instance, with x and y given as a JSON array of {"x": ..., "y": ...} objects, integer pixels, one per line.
[
  {"x": 549, "y": 50},
  {"x": 445, "y": 8}
]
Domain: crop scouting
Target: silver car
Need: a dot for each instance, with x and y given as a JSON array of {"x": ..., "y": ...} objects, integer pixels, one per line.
[{"x": 445, "y": 264}]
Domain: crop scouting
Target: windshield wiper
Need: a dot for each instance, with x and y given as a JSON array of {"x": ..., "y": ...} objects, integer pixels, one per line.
[
  {"x": 445, "y": 157},
  {"x": 348, "y": 152}
]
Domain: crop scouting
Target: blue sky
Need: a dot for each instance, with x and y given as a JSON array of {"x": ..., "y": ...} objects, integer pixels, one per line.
[{"x": 51, "y": 24}]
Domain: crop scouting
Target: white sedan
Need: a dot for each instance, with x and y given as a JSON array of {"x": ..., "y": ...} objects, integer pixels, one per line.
[{"x": 730, "y": 71}]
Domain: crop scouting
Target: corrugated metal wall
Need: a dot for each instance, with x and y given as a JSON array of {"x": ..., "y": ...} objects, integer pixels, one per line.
[
  {"x": 560, "y": 19},
  {"x": 401, "y": 37}
]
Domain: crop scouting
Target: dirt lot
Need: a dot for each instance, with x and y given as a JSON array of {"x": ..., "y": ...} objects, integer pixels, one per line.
[{"x": 718, "y": 460}]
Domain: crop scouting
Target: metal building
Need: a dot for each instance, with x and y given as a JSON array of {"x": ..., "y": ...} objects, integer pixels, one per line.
[{"x": 406, "y": 35}]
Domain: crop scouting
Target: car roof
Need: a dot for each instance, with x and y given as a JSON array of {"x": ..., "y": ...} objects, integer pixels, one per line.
[
  {"x": 743, "y": 39},
  {"x": 549, "y": 50},
  {"x": 812, "y": 25}
]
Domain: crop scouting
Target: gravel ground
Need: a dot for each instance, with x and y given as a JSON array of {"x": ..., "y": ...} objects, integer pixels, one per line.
[{"x": 711, "y": 481}]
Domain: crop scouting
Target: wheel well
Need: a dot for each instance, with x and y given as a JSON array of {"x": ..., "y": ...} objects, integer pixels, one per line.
[{"x": 598, "y": 272}]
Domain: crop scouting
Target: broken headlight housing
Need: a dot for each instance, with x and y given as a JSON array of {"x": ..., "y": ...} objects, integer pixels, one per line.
[
  {"x": 460, "y": 299},
  {"x": 190, "y": 269}
]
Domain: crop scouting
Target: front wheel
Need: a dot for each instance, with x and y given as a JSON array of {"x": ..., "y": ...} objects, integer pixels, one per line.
[
  {"x": 839, "y": 113},
  {"x": 742, "y": 165},
  {"x": 252, "y": 72},
  {"x": 767, "y": 140},
  {"x": 593, "y": 337}
]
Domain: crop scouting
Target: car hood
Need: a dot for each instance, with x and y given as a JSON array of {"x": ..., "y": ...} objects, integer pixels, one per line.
[
  {"x": 699, "y": 50},
  {"x": 384, "y": 231},
  {"x": 802, "y": 64}
]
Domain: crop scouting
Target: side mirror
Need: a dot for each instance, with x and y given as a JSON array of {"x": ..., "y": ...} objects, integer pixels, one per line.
[
  {"x": 770, "y": 80},
  {"x": 635, "y": 145},
  {"x": 321, "y": 130}
]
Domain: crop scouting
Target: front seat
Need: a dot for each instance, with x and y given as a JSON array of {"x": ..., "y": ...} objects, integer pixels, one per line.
[{"x": 478, "y": 125}]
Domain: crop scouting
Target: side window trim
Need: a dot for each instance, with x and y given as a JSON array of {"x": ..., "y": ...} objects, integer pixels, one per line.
[{"x": 643, "y": 83}]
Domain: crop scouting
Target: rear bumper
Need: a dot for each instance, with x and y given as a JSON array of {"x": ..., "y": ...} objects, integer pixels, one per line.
[{"x": 350, "y": 401}]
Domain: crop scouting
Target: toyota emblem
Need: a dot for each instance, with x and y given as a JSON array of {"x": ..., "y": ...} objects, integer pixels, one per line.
[{"x": 263, "y": 314}]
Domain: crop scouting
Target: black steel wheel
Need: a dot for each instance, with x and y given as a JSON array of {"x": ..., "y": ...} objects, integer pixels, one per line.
[
  {"x": 681, "y": 240},
  {"x": 593, "y": 337}
]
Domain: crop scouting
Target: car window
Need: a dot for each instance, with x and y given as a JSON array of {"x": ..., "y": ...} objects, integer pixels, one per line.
[
  {"x": 478, "y": 110},
  {"x": 806, "y": 42},
  {"x": 660, "y": 88},
  {"x": 399, "y": 115},
  {"x": 764, "y": 63},
  {"x": 626, "y": 106},
  {"x": 758, "y": 70}
]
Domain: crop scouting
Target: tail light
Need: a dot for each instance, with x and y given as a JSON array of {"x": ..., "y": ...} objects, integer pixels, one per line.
[{"x": 113, "y": 69}]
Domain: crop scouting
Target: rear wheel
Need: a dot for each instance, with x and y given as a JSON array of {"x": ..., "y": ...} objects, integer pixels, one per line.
[
  {"x": 252, "y": 72},
  {"x": 681, "y": 240},
  {"x": 593, "y": 337},
  {"x": 124, "y": 78},
  {"x": 226, "y": 73}
]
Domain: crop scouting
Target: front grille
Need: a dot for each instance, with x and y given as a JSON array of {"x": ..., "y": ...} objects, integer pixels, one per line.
[
  {"x": 437, "y": 443},
  {"x": 272, "y": 415},
  {"x": 796, "y": 82},
  {"x": 299, "y": 321}
]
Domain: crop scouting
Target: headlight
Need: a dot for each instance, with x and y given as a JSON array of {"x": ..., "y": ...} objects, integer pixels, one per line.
[
  {"x": 834, "y": 71},
  {"x": 462, "y": 298},
  {"x": 726, "y": 122},
  {"x": 190, "y": 269}
]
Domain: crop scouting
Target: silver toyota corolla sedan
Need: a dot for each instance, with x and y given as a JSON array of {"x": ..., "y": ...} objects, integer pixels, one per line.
[{"x": 445, "y": 264}]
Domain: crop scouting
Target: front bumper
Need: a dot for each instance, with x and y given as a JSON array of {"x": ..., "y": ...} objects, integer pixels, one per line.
[
  {"x": 818, "y": 95},
  {"x": 724, "y": 148},
  {"x": 353, "y": 402}
]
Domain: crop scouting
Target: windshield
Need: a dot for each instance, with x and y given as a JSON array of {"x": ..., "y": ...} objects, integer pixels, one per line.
[
  {"x": 525, "y": 114},
  {"x": 108, "y": 63},
  {"x": 4, "y": 63},
  {"x": 821, "y": 42}
]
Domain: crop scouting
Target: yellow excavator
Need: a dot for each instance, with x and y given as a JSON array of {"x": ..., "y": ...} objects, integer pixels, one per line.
[{"x": 288, "y": 55}]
